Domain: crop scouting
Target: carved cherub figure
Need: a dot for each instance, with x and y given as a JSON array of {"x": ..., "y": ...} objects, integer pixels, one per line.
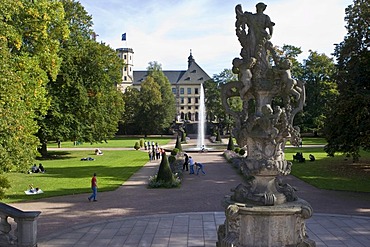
[
  {"x": 266, "y": 122},
  {"x": 243, "y": 69},
  {"x": 289, "y": 84}
]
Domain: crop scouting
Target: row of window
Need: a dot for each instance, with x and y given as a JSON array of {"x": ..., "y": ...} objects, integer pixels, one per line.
[
  {"x": 189, "y": 108},
  {"x": 124, "y": 56},
  {"x": 182, "y": 90},
  {"x": 189, "y": 116},
  {"x": 125, "y": 68},
  {"x": 189, "y": 101}
]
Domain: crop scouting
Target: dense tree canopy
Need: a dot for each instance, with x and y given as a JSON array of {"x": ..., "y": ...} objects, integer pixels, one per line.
[
  {"x": 85, "y": 104},
  {"x": 30, "y": 36},
  {"x": 321, "y": 90},
  {"x": 215, "y": 110},
  {"x": 150, "y": 110},
  {"x": 348, "y": 126}
]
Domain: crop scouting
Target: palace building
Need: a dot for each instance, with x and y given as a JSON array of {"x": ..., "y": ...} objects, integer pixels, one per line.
[{"x": 185, "y": 83}]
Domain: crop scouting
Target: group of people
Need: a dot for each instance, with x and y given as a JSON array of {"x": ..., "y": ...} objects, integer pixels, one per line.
[
  {"x": 35, "y": 169},
  {"x": 155, "y": 153},
  {"x": 189, "y": 163},
  {"x": 150, "y": 145},
  {"x": 299, "y": 157}
]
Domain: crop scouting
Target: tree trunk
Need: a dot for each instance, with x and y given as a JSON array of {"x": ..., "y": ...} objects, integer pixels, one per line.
[{"x": 44, "y": 149}]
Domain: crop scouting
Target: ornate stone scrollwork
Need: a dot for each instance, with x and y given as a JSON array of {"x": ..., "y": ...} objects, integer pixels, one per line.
[{"x": 271, "y": 98}]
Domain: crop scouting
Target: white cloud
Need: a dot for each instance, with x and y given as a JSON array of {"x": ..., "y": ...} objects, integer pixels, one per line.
[{"x": 165, "y": 31}]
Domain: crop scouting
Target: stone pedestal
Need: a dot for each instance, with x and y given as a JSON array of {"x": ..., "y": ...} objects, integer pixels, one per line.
[{"x": 265, "y": 226}]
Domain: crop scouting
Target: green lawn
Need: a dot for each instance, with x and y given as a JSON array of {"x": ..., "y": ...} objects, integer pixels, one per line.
[
  {"x": 312, "y": 141},
  {"x": 122, "y": 142},
  {"x": 66, "y": 174},
  {"x": 332, "y": 173}
]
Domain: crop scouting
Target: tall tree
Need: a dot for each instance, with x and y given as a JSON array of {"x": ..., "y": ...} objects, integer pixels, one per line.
[
  {"x": 131, "y": 101},
  {"x": 152, "y": 109},
  {"x": 148, "y": 110},
  {"x": 167, "y": 110},
  {"x": 292, "y": 52},
  {"x": 215, "y": 109},
  {"x": 85, "y": 104},
  {"x": 318, "y": 74},
  {"x": 348, "y": 126},
  {"x": 30, "y": 36}
]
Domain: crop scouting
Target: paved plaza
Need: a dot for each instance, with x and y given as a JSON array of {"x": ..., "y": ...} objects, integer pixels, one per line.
[
  {"x": 199, "y": 229},
  {"x": 134, "y": 215}
]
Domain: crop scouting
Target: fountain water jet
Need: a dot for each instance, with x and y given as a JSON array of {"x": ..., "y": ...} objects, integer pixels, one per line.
[{"x": 201, "y": 120}]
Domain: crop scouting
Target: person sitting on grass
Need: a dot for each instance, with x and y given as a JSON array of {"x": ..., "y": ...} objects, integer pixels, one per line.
[
  {"x": 35, "y": 169},
  {"x": 33, "y": 190},
  {"x": 98, "y": 152},
  {"x": 41, "y": 168},
  {"x": 312, "y": 158}
]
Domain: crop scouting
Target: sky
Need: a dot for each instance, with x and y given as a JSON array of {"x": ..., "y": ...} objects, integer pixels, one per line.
[{"x": 166, "y": 31}]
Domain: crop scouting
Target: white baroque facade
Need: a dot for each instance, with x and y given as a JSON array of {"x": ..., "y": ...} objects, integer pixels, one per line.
[{"x": 185, "y": 84}]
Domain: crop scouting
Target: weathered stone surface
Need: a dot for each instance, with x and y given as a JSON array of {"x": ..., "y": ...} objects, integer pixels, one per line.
[
  {"x": 271, "y": 99},
  {"x": 264, "y": 211},
  {"x": 276, "y": 226}
]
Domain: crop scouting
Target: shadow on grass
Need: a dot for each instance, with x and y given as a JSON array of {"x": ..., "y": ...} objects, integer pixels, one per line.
[
  {"x": 57, "y": 155},
  {"x": 332, "y": 173}
]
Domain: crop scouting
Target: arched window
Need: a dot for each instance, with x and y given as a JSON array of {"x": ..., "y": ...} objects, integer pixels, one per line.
[
  {"x": 182, "y": 115},
  {"x": 189, "y": 116},
  {"x": 196, "y": 116}
]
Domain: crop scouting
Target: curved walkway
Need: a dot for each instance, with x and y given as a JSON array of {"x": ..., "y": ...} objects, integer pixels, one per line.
[{"x": 133, "y": 215}]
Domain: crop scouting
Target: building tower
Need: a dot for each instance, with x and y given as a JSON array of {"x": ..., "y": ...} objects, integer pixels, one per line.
[{"x": 127, "y": 55}]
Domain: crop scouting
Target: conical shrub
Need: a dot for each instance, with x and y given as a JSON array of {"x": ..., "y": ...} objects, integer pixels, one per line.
[
  {"x": 183, "y": 136},
  {"x": 230, "y": 145},
  {"x": 178, "y": 143},
  {"x": 164, "y": 172},
  {"x": 218, "y": 137}
]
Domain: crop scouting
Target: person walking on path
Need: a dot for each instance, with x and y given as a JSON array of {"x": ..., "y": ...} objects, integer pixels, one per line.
[
  {"x": 191, "y": 163},
  {"x": 186, "y": 162},
  {"x": 94, "y": 187},
  {"x": 199, "y": 168}
]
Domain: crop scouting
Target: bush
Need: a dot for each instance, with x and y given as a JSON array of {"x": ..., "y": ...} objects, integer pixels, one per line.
[
  {"x": 137, "y": 146},
  {"x": 164, "y": 172},
  {"x": 171, "y": 159},
  {"x": 4, "y": 184},
  {"x": 229, "y": 155},
  {"x": 141, "y": 142},
  {"x": 154, "y": 183},
  {"x": 164, "y": 177},
  {"x": 242, "y": 152},
  {"x": 176, "y": 167},
  {"x": 183, "y": 137},
  {"x": 230, "y": 145},
  {"x": 237, "y": 150},
  {"x": 175, "y": 151}
]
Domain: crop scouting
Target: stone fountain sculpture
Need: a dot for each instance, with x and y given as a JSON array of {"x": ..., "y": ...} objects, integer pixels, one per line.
[{"x": 264, "y": 211}]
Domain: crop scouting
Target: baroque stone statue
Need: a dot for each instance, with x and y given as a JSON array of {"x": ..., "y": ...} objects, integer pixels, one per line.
[
  {"x": 271, "y": 98},
  {"x": 263, "y": 211}
]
